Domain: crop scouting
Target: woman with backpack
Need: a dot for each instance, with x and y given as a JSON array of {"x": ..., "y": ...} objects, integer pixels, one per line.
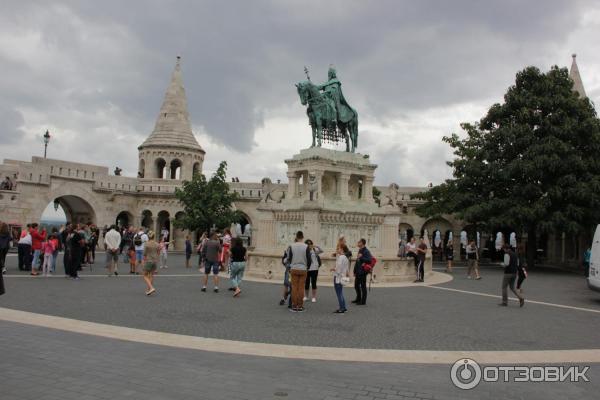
[{"x": 313, "y": 271}]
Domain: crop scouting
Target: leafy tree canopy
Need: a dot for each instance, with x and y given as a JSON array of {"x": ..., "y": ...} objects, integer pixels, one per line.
[
  {"x": 532, "y": 163},
  {"x": 207, "y": 202}
]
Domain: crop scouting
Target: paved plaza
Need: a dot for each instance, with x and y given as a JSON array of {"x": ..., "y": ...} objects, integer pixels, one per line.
[{"x": 108, "y": 340}]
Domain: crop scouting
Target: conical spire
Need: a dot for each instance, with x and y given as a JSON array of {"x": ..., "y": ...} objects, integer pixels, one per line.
[
  {"x": 173, "y": 126},
  {"x": 574, "y": 74}
]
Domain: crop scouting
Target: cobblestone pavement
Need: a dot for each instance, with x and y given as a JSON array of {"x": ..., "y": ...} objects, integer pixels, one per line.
[
  {"x": 43, "y": 363},
  {"x": 395, "y": 318},
  {"x": 47, "y": 364}
]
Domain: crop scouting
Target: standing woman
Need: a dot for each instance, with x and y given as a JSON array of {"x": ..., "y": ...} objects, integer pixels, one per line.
[
  {"x": 340, "y": 273},
  {"x": 150, "y": 262},
  {"x": 313, "y": 271},
  {"x": 239, "y": 257},
  {"x": 5, "y": 240}
]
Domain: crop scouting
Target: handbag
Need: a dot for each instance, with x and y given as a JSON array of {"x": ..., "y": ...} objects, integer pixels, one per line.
[{"x": 345, "y": 280}]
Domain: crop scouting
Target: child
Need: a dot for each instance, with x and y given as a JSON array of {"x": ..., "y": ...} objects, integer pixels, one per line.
[
  {"x": 163, "y": 248},
  {"x": 48, "y": 248},
  {"x": 132, "y": 258},
  {"x": 188, "y": 251}
]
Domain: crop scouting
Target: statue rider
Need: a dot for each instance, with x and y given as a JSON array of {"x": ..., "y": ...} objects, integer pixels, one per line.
[{"x": 333, "y": 90}]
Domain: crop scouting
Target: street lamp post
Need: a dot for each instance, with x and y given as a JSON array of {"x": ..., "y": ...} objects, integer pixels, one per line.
[{"x": 46, "y": 141}]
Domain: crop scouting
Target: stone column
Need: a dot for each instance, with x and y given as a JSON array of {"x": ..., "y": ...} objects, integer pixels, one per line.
[
  {"x": 343, "y": 186},
  {"x": 367, "y": 193},
  {"x": 292, "y": 185},
  {"x": 319, "y": 175}
]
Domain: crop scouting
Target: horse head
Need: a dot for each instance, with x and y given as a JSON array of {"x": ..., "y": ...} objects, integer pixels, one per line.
[{"x": 302, "y": 92}]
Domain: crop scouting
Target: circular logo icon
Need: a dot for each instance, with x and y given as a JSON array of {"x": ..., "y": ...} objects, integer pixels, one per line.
[{"x": 465, "y": 374}]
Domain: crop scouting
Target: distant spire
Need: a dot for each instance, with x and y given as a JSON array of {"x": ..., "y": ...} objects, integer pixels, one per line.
[
  {"x": 173, "y": 126},
  {"x": 574, "y": 74}
]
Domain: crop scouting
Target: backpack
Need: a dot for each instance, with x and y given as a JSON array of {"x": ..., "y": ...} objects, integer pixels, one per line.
[
  {"x": 137, "y": 240},
  {"x": 286, "y": 258},
  {"x": 368, "y": 267}
]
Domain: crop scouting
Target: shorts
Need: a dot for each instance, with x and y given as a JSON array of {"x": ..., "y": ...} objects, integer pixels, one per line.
[
  {"x": 150, "y": 267},
  {"x": 450, "y": 257},
  {"x": 208, "y": 265},
  {"x": 139, "y": 255},
  {"x": 110, "y": 256}
]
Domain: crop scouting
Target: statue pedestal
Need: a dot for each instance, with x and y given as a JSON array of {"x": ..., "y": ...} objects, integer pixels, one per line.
[{"x": 341, "y": 185}]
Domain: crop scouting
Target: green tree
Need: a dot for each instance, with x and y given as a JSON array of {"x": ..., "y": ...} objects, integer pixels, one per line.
[
  {"x": 207, "y": 202},
  {"x": 532, "y": 163}
]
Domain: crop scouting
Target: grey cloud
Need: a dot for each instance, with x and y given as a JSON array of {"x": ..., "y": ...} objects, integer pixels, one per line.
[{"x": 240, "y": 59}]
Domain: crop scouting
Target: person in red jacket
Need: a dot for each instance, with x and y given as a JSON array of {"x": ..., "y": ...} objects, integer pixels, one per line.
[{"x": 37, "y": 239}]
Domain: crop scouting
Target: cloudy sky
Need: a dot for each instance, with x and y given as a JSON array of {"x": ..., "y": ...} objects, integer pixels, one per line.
[{"x": 94, "y": 73}]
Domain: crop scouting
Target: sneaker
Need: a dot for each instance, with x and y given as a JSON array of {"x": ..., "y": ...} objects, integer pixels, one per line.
[
  {"x": 314, "y": 300},
  {"x": 203, "y": 289},
  {"x": 216, "y": 290},
  {"x": 3, "y": 271},
  {"x": 292, "y": 309},
  {"x": 503, "y": 304},
  {"x": 478, "y": 278},
  {"x": 469, "y": 277},
  {"x": 305, "y": 298},
  {"x": 301, "y": 309},
  {"x": 281, "y": 302},
  {"x": 116, "y": 273},
  {"x": 339, "y": 311}
]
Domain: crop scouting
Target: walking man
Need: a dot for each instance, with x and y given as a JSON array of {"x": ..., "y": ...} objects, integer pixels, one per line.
[
  {"x": 360, "y": 275},
  {"x": 510, "y": 276},
  {"x": 421, "y": 254},
  {"x": 211, "y": 250},
  {"x": 299, "y": 260},
  {"x": 139, "y": 241},
  {"x": 112, "y": 241}
]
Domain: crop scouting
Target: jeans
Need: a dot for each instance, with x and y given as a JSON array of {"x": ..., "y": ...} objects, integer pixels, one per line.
[
  {"x": 509, "y": 281},
  {"x": 47, "y": 264},
  {"x": 54, "y": 257},
  {"x": 298, "y": 279},
  {"x": 237, "y": 273},
  {"x": 163, "y": 259},
  {"x": 36, "y": 259},
  {"x": 339, "y": 291},
  {"x": 360, "y": 285}
]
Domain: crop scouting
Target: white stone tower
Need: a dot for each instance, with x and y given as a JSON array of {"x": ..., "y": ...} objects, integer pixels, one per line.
[
  {"x": 171, "y": 151},
  {"x": 577, "y": 82}
]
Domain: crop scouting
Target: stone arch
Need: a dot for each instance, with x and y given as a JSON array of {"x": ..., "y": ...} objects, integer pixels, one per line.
[
  {"x": 163, "y": 220},
  {"x": 160, "y": 166},
  {"x": 147, "y": 219},
  {"x": 79, "y": 205},
  {"x": 196, "y": 168},
  {"x": 124, "y": 218},
  {"x": 405, "y": 232},
  {"x": 176, "y": 168},
  {"x": 435, "y": 224},
  {"x": 141, "y": 168}
]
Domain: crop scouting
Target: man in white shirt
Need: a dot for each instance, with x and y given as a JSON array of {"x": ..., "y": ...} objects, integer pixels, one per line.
[
  {"x": 139, "y": 241},
  {"x": 112, "y": 241}
]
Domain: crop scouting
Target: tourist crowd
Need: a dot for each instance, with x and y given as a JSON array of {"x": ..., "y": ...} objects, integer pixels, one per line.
[{"x": 146, "y": 252}]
